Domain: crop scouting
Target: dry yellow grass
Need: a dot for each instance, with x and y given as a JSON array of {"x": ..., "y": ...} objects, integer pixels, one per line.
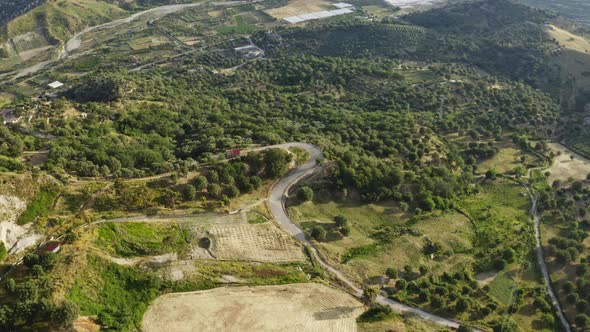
[
  {"x": 295, "y": 307},
  {"x": 568, "y": 39},
  {"x": 564, "y": 167},
  {"x": 259, "y": 242},
  {"x": 298, "y": 7},
  {"x": 215, "y": 13}
]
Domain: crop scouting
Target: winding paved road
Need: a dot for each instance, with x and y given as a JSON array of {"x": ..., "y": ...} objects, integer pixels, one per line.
[{"x": 278, "y": 210}]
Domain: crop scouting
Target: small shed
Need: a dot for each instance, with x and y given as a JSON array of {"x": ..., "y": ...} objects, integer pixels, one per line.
[
  {"x": 53, "y": 247},
  {"x": 55, "y": 85},
  {"x": 232, "y": 153}
]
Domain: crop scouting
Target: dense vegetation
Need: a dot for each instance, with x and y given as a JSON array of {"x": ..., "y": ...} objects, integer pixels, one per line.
[
  {"x": 404, "y": 109},
  {"x": 565, "y": 210},
  {"x": 10, "y": 9}
]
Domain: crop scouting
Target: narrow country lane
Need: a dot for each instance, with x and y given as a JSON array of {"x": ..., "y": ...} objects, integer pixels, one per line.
[
  {"x": 277, "y": 200},
  {"x": 541, "y": 259}
]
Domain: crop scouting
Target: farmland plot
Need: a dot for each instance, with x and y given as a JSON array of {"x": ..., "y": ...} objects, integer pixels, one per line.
[{"x": 301, "y": 307}]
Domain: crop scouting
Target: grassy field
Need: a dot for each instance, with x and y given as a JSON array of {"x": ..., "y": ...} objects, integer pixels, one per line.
[
  {"x": 40, "y": 205},
  {"x": 301, "y": 307},
  {"x": 141, "y": 239},
  {"x": 240, "y": 26},
  {"x": 363, "y": 256},
  {"x": 147, "y": 42},
  {"x": 569, "y": 40},
  {"x": 500, "y": 212},
  {"x": 119, "y": 295},
  {"x": 401, "y": 324}
]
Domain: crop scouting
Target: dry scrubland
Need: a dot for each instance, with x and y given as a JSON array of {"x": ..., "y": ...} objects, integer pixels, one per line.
[
  {"x": 295, "y": 307},
  {"x": 564, "y": 167},
  {"x": 569, "y": 40}
]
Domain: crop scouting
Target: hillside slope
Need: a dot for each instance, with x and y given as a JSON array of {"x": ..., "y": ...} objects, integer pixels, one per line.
[{"x": 52, "y": 23}]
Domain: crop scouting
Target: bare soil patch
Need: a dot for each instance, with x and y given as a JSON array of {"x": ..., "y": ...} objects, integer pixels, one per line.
[
  {"x": 298, "y": 7},
  {"x": 564, "y": 167},
  {"x": 295, "y": 307},
  {"x": 485, "y": 278}
]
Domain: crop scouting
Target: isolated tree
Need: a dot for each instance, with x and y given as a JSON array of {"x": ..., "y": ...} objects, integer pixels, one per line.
[
  {"x": 340, "y": 220},
  {"x": 318, "y": 233},
  {"x": 305, "y": 194},
  {"x": 370, "y": 294},
  {"x": 391, "y": 273},
  {"x": 491, "y": 174},
  {"x": 64, "y": 315}
]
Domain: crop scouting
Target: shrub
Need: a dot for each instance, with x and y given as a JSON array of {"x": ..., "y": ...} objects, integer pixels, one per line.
[
  {"x": 581, "y": 320},
  {"x": 318, "y": 233},
  {"x": 391, "y": 273},
  {"x": 376, "y": 313},
  {"x": 305, "y": 194},
  {"x": 340, "y": 220}
]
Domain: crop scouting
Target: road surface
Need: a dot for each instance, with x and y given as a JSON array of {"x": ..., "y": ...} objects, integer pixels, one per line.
[
  {"x": 541, "y": 260},
  {"x": 278, "y": 210}
]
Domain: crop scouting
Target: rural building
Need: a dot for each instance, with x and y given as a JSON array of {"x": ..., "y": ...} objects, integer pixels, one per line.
[
  {"x": 55, "y": 85},
  {"x": 53, "y": 247},
  {"x": 232, "y": 153},
  {"x": 342, "y": 5},
  {"x": 318, "y": 15},
  {"x": 249, "y": 51}
]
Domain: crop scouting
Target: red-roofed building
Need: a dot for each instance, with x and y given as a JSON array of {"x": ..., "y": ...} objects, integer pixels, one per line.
[
  {"x": 232, "y": 153},
  {"x": 53, "y": 247}
]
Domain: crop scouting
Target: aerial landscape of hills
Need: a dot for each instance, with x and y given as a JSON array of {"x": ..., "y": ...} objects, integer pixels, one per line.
[{"x": 294, "y": 165}]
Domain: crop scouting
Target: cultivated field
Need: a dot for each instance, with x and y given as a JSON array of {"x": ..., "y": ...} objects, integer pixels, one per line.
[
  {"x": 259, "y": 242},
  {"x": 239, "y": 237},
  {"x": 564, "y": 167},
  {"x": 295, "y": 307},
  {"x": 299, "y": 7}
]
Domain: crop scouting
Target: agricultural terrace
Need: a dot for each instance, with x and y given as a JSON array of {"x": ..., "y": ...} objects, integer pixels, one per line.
[
  {"x": 242, "y": 237},
  {"x": 295, "y": 307}
]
